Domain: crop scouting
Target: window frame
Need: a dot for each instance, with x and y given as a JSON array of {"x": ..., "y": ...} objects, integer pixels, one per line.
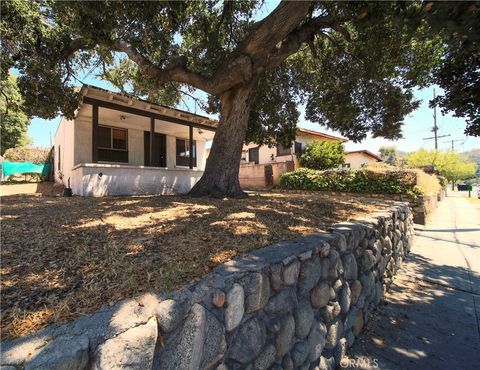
[
  {"x": 280, "y": 153},
  {"x": 296, "y": 146},
  {"x": 111, "y": 138},
  {"x": 187, "y": 143},
  {"x": 250, "y": 150}
]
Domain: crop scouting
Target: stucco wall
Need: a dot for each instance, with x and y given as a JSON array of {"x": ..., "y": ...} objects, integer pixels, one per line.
[
  {"x": 103, "y": 179},
  {"x": 83, "y": 141},
  {"x": 253, "y": 176},
  {"x": 356, "y": 160},
  {"x": 64, "y": 138},
  {"x": 297, "y": 304}
]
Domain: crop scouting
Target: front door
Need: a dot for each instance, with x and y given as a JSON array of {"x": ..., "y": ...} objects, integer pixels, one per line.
[{"x": 159, "y": 150}]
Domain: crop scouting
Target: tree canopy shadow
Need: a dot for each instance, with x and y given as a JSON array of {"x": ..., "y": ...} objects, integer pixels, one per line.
[
  {"x": 421, "y": 324},
  {"x": 64, "y": 257}
]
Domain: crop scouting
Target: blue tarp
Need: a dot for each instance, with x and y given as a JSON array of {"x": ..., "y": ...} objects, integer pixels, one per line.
[{"x": 13, "y": 168}]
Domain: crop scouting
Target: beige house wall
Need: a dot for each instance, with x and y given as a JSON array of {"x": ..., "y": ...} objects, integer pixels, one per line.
[
  {"x": 357, "y": 160},
  {"x": 269, "y": 155},
  {"x": 252, "y": 176},
  {"x": 64, "y": 150}
]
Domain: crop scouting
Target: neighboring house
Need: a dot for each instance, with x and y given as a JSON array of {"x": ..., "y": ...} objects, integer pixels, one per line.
[
  {"x": 119, "y": 145},
  {"x": 359, "y": 158},
  {"x": 262, "y": 166},
  {"x": 263, "y": 154}
]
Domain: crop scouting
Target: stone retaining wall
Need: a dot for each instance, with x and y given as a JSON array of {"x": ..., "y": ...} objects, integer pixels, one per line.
[{"x": 295, "y": 305}]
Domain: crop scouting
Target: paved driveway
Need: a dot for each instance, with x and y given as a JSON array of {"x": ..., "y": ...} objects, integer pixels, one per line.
[{"x": 430, "y": 319}]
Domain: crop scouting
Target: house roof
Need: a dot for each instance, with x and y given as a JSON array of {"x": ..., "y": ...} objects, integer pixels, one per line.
[
  {"x": 321, "y": 134},
  {"x": 366, "y": 152},
  {"x": 94, "y": 92}
]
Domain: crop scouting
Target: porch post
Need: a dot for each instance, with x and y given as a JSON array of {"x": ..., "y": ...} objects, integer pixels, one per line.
[
  {"x": 190, "y": 140},
  {"x": 152, "y": 135},
  {"x": 94, "y": 133}
]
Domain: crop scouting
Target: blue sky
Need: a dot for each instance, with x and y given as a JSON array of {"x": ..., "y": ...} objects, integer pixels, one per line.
[{"x": 417, "y": 126}]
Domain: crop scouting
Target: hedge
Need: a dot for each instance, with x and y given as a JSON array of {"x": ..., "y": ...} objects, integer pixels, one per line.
[
  {"x": 24, "y": 154},
  {"x": 362, "y": 181}
]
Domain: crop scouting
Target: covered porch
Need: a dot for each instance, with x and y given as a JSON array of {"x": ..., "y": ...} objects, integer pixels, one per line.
[{"x": 129, "y": 146}]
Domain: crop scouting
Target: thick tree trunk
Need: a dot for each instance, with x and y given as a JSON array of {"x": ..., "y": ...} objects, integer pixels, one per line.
[{"x": 220, "y": 178}]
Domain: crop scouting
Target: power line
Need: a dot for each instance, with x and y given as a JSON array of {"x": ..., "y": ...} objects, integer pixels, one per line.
[
  {"x": 436, "y": 139},
  {"x": 453, "y": 145}
]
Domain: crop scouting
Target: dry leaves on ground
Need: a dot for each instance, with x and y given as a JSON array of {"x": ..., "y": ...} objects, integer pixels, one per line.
[{"x": 63, "y": 257}]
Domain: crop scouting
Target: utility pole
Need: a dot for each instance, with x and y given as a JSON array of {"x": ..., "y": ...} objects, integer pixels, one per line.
[
  {"x": 452, "y": 141},
  {"x": 435, "y": 127}
]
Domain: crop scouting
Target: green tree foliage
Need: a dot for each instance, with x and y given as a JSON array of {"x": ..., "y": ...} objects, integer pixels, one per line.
[
  {"x": 322, "y": 155},
  {"x": 456, "y": 23},
  {"x": 353, "y": 65},
  {"x": 450, "y": 165},
  {"x": 13, "y": 120},
  {"x": 128, "y": 79},
  {"x": 389, "y": 155}
]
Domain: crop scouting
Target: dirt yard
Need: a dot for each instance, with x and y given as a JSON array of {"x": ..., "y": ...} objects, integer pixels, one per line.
[
  {"x": 64, "y": 257},
  {"x": 22, "y": 188}
]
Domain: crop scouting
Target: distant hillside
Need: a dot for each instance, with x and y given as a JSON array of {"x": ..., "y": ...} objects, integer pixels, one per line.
[{"x": 473, "y": 155}]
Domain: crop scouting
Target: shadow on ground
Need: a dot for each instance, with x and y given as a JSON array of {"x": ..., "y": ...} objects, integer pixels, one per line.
[
  {"x": 63, "y": 257},
  {"x": 421, "y": 325}
]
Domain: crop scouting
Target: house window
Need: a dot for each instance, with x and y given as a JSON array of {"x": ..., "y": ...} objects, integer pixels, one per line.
[
  {"x": 183, "y": 153},
  {"x": 298, "y": 148},
  {"x": 254, "y": 155},
  {"x": 112, "y": 144},
  {"x": 281, "y": 150}
]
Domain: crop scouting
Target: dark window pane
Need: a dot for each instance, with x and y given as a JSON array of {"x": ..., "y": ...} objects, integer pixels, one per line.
[
  {"x": 281, "y": 150},
  {"x": 181, "y": 147},
  {"x": 298, "y": 148},
  {"x": 59, "y": 159},
  {"x": 183, "y": 153},
  {"x": 108, "y": 155},
  {"x": 119, "y": 139},
  {"x": 104, "y": 137},
  {"x": 253, "y": 155}
]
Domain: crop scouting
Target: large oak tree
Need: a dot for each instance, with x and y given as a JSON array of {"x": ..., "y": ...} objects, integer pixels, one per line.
[{"x": 353, "y": 65}]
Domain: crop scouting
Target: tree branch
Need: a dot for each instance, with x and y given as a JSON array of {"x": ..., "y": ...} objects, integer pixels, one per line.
[
  {"x": 295, "y": 39},
  {"x": 248, "y": 59},
  {"x": 175, "y": 71},
  {"x": 271, "y": 30}
]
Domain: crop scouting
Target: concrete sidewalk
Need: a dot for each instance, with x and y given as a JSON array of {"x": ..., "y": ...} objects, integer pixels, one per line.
[{"x": 430, "y": 319}]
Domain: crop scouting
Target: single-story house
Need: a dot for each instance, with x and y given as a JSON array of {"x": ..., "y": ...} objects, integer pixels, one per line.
[
  {"x": 359, "y": 158},
  {"x": 120, "y": 145}
]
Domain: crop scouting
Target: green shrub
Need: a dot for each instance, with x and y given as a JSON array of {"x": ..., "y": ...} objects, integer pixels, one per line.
[
  {"x": 322, "y": 155},
  {"x": 362, "y": 181}
]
